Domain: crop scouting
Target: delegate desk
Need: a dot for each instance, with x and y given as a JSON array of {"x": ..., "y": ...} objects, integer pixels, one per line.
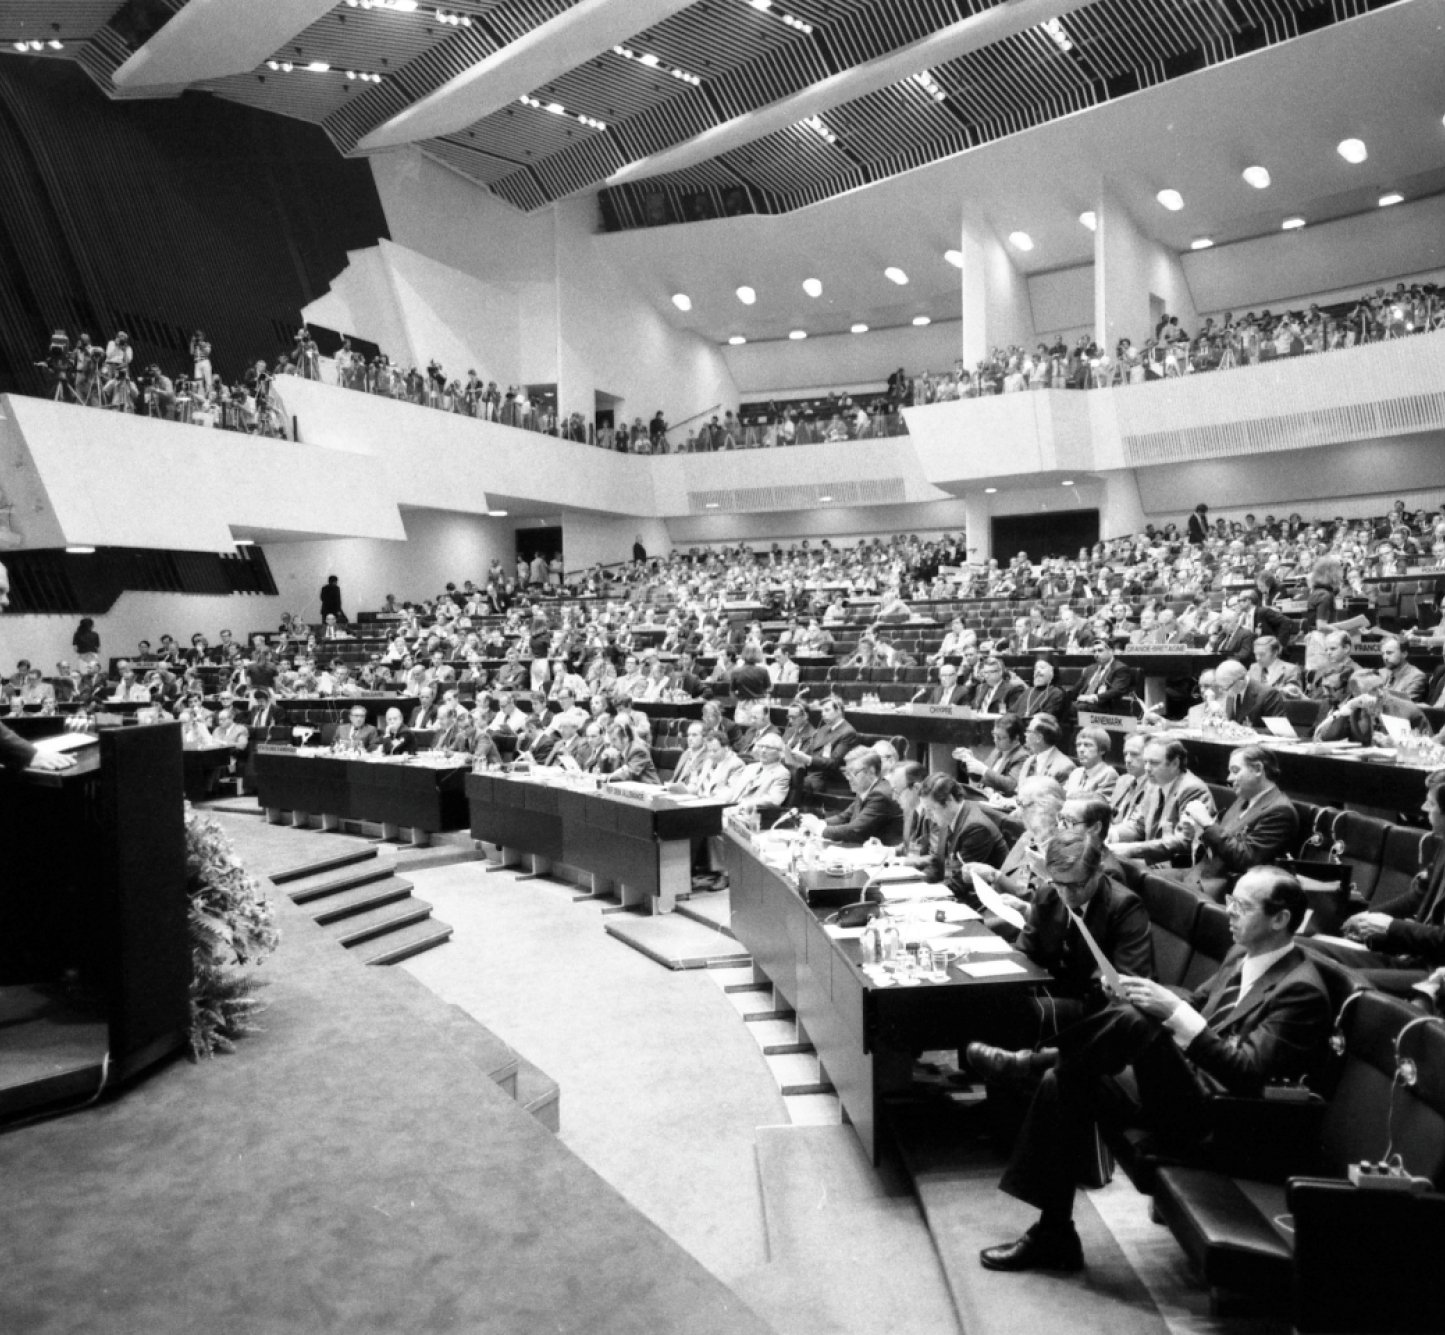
[
  {"x": 642, "y": 846},
  {"x": 418, "y": 796},
  {"x": 866, "y": 1035}
]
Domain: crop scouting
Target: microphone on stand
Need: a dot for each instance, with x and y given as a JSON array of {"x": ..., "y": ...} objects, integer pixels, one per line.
[
  {"x": 786, "y": 817},
  {"x": 919, "y": 694}
]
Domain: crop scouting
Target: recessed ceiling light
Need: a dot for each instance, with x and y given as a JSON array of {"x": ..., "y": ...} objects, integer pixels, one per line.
[
  {"x": 823, "y": 500},
  {"x": 990, "y": 491},
  {"x": 1353, "y": 150},
  {"x": 81, "y": 551},
  {"x": 1200, "y": 243},
  {"x": 1393, "y": 197},
  {"x": 1090, "y": 219},
  {"x": 711, "y": 505},
  {"x": 1171, "y": 199},
  {"x": 497, "y": 514},
  {"x": 954, "y": 257},
  {"x": 244, "y": 542},
  {"x": 1291, "y": 224},
  {"x": 1067, "y": 482},
  {"x": 921, "y": 320},
  {"x": 1021, "y": 240},
  {"x": 798, "y": 333},
  {"x": 813, "y": 287},
  {"x": 747, "y": 296},
  {"x": 737, "y": 340},
  {"x": 860, "y": 329},
  {"x": 895, "y": 275},
  {"x": 682, "y": 301},
  {"x": 1258, "y": 177},
  {"x": 760, "y": 4}
]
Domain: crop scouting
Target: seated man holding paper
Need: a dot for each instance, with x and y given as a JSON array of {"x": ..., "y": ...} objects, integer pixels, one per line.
[
  {"x": 1396, "y": 941},
  {"x": 1360, "y": 716},
  {"x": 1086, "y": 929},
  {"x": 966, "y": 834}
]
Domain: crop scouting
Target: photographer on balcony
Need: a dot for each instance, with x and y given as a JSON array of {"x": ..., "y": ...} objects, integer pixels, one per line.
[{"x": 117, "y": 391}]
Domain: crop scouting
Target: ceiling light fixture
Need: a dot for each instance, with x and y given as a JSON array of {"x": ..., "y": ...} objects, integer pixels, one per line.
[
  {"x": 954, "y": 257},
  {"x": 81, "y": 551},
  {"x": 655, "y": 62},
  {"x": 497, "y": 514},
  {"x": 455, "y": 20},
  {"x": 682, "y": 301},
  {"x": 1067, "y": 482},
  {"x": 1171, "y": 199},
  {"x": 990, "y": 491},
  {"x": 737, "y": 340},
  {"x": 824, "y": 500},
  {"x": 860, "y": 329},
  {"x": 557, "y": 109},
  {"x": 930, "y": 85},
  {"x": 798, "y": 333},
  {"x": 921, "y": 320},
  {"x": 1021, "y": 240},
  {"x": 747, "y": 296},
  {"x": 1055, "y": 29},
  {"x": 1258, "y": 177},
  {"x": 815, "y": 124},
  {"x": 895, "y": 275},
  {"x": 1200, "y": 243},
  {"x": 711, "y": 505},
  {"x": 1352, "y": 150},
  {"x": 813, "y": 287},
  {"x": 1393, "y": 197},
  {"x": 1090, "y": 219},
  {"x": 1292, "y": 224}
]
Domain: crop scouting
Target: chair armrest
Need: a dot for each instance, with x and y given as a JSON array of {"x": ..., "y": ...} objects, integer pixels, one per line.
[{"x": 1267, "y": 1139}]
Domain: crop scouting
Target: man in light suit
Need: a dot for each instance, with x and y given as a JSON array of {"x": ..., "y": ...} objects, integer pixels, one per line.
[
  {"x": 1270, "y": 669},
  {"x": 1260, "y": 826},
  {"x": 767, "y": 781},
  {"x": 1264, "y": 1016},
  {"x": 357, "y": 735},
  {"x": 1230, "y": 638},
  {"x": 873, "y": 813},
  {"x": 1155, "y": 835},
  {"x": 997, "y": 688},
  {"x": 693, "y": 756}
]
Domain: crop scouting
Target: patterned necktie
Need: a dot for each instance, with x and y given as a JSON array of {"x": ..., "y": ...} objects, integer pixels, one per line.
[{"x": 1218, "y": 1010}]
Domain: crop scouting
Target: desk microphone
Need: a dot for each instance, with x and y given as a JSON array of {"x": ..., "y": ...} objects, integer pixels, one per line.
[
  {"x": 786, "y": 817},
  {"x": 919, "y": 694}
]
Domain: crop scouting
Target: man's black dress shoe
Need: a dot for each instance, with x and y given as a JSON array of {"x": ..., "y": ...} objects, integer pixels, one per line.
[
  {"x": 1001, "y": 1064},
  {"x": 1038, "y": 1249}
]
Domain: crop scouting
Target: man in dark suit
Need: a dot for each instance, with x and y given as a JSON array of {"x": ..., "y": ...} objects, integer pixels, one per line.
[
  {"x": 1246, "y": 699},
  {"x": 874, "y": 813},
  {"x": 1260, "y": 826},
  {"x": 1264, "y": 1016},
  {"x": 425, "y": 714},
  {"x": 966, "y": 833},
  {"x": 1230, "y": 638},
  {"x": 263, "y": 715},
  {"x": 1077, "y": 888},
  {"x": 997, "y": 687},
  {"x": 948, "y": 691},
  {"x": 1108, "y": 685},
  {"x": 396, "y": 738},
  {"x": 358, "y": 734},
  {"x": 830, "y": 741}
]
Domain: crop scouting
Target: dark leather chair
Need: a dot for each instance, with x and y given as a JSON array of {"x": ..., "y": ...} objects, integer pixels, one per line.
[
  {"x": 1359, "y": 842},
  {"x": 1235, "y": 1231}
]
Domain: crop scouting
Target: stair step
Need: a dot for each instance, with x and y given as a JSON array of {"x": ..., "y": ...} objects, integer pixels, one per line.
[
  {"x": 314, "y": 890},
  {"x": 814, "y": 1109},
  {"x": 390, "y": 917},
  {"x": 483, "y": 1049},
  {"x": 325, "y": 864},
  {"x": 359, "y": 900},
  {"x": 798, "y": 1073},
  {"x": 539, "y": 1094},
  {"x": 402, "y": 945},
  {"x": 777, "y": 1037},
  {"x": 763, "y": 1004}
]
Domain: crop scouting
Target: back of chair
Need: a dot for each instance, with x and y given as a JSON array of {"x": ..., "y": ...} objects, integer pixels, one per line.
[
  {"x": 1317, "y": 836},
  {"x": 1173, "y": 912},
  {"x": 1211, "y": 940},
  {"x": 1359, "y": 840},
  {"x": 1407, "y": 851}
]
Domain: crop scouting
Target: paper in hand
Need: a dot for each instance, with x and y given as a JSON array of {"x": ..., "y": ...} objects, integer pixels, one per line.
[
  {"x": 993, "y": 902},
  {"x": 1107, "y": 972}
]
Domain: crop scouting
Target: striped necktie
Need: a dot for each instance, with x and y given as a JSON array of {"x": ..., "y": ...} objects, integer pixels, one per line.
[{"x": 1218, "y": 1010}]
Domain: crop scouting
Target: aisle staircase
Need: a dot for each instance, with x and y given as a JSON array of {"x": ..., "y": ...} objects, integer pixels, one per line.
[{"x": 360, "y": 900}]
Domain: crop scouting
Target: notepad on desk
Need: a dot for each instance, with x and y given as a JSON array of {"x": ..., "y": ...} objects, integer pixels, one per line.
[{"x": 992, "y": 968}]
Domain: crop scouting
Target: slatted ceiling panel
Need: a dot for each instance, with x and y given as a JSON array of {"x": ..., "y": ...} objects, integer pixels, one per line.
[
  {"x": 363, "y": 111},
  {"x": 516, "y": 18},
  {"x": 768, "y": 79},
  {"x": 715, "y": 172},
  {"x": 892, "y": 120},
  {"x": 714, "y": 36},
  {"x": 304, "y": 96},
  {"x": 367, "y": 39},
  {"x": 821, "y": 12},
  {"x": 875, "y": 30},
  {"x": 77, "y": 19},
  {"x": 674, "y": 121},
  {"x": 479, "y": 166},
  {"x": 525, "y": 134},
  {"x": 521, "y": 191},
  {"x": 1023, "y": 71},
  {"x": 788, "y": 158},
  {"x": 1118, "y": 36},
  {"x": 613, "y": 88},
  {"x": 579, "y": 166}
]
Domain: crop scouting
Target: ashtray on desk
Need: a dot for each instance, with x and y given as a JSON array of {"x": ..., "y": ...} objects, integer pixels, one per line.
[{"x": 836, "y": 868}]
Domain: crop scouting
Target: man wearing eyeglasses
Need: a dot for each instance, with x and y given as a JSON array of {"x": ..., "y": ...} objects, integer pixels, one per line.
[
  {"x": 1265, "y": 1015},
  {"x": 874, "y": 813}
]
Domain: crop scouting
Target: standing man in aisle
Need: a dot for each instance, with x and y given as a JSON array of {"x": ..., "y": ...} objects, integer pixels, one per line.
[{"x": 331, "y": 599}]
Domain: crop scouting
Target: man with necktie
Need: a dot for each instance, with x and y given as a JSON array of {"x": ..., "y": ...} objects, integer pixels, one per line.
[
  {"x": 1265, "y": 1015},
  {"x": 1109, "y": 685}
]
